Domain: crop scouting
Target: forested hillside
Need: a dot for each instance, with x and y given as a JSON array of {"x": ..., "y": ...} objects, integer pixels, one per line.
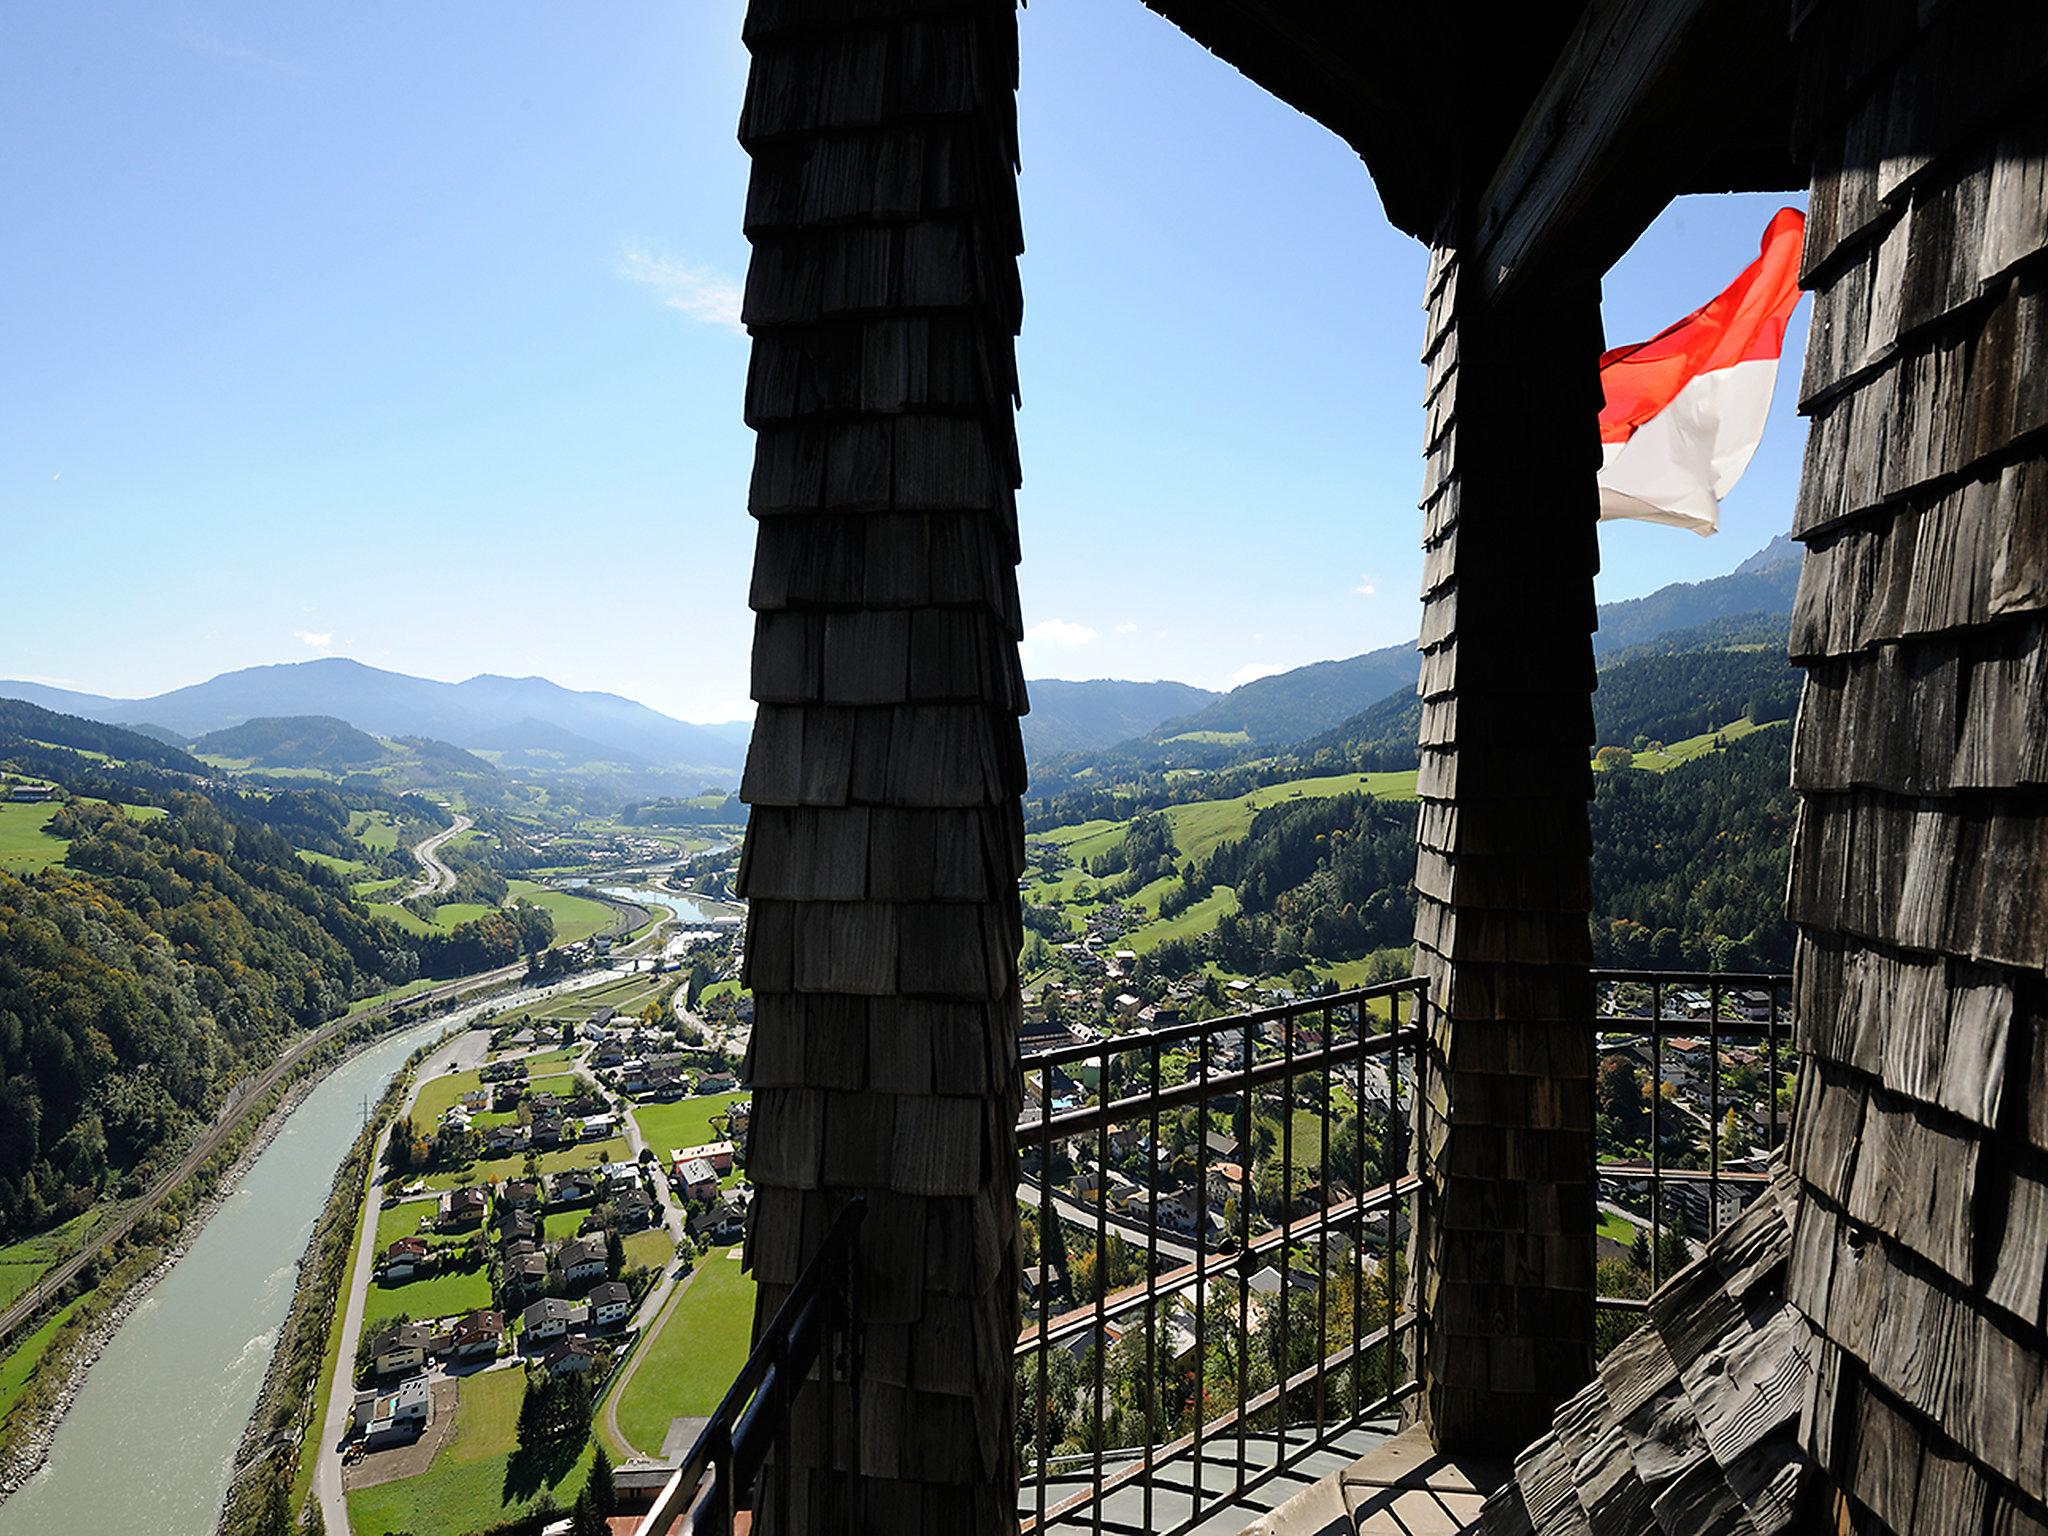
[
  {"x": 294, "y": 741},
  {"x": 180, "y": 941}
]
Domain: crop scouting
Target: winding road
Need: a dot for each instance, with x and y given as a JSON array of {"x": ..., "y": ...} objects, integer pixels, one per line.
[{"x": 435, "y": 877}]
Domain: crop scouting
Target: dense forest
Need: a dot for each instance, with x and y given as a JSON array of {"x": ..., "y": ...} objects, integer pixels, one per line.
[{"x": 167, "y": 955}]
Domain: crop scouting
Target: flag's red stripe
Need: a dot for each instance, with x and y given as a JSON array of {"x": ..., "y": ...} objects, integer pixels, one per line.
[{"x": 1745, "y": 320}]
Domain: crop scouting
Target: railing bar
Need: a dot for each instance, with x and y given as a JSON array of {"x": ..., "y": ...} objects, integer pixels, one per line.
[
  {"x": 1201, "y": 1251},
  {"x": 1714, "y": 1109},
  {"x": 1247, "y": 1140},
  {"x": 1077, "y": 1321},
  {"x": 1171, "y": 1034},
  {"x": 1080, "y": 1121},
  {"x": 1323, "y": 1248},
  {"x": 1102, "y": 1274},
  {"x": 1152, "y": 1290},
  {"x": 1656, "y": 1138},
  {"x": 1048, "y": 1234},
  {"x": 1286, "y": 1215},
  {"x": 1773, "y": 1084}
]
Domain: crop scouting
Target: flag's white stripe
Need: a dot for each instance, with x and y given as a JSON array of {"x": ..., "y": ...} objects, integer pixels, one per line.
[{"x": 1682, "y": 461}]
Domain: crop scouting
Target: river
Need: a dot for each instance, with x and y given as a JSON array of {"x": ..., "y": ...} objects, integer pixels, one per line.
[
  {"x": 688, "y": 908},
  {"x": 150, "y": 1442}
]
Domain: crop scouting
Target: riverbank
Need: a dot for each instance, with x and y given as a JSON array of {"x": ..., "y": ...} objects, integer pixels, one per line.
[
  {"x": 263, "y": 1489},
  {"x": 32, "y": 1425}
]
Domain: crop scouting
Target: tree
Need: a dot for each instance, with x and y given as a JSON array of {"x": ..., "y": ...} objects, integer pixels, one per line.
[
  {"x": 585, "y": 1519},
  {"x": 600, "y": 1485},
  {"x": 1613, "y": 757},
  {"x": 614, "y": 1252}
]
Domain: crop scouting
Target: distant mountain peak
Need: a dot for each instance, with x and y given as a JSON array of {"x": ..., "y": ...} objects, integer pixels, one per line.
[{"x": 1780, "y": 551}]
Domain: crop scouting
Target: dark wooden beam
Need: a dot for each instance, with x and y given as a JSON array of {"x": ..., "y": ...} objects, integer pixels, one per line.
[{"x": 1648, "y": 99}]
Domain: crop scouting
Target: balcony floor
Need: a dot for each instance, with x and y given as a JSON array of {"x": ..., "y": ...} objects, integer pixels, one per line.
[{"x": 1173, "y": 1484}]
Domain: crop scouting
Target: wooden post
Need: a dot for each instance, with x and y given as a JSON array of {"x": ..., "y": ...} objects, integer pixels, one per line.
[
  {"x": 1503, "y": 1258},
  {"x": 885, "y": 841}
]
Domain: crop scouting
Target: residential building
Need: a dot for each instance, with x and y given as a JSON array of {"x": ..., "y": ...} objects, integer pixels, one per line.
[
  {"x": 719, "y": 1154},
  {"x": 581, "y": 1259},
  {"x": 476, "y": 1336},
  {"x": 462, "y": 1208},
  {"x": 696, "y": 1179},
  {"x": 610, "y": 1304},
  {"x": 572, "y": 1186},
  {"x": 394, "y": 1415},
  {"x": 574, "y": 1356},
  {"x": 400, "y": 1347},
  {"x": 546, "y": 1319},
  {"x": 404, "y": 1259}
]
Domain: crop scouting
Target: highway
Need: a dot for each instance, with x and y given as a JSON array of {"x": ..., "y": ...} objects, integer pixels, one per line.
[{"x": 435, "y": 877}]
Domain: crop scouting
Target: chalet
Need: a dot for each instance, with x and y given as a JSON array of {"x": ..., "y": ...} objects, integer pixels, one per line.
[
  {"x": 600, "y": 1127},
  {"x": 739, "y": 1116},
  {"x": 633, "y": 1210},
  {"x": 717, "y": 1081},
  {"x": 1222, "y": 1145},
  {"x": 519, "y": 1194},
  {"x": 394, "y": 1415},
  {"x": 32, "y": 794},
  {"x": 400, "y": 1347},
  {"x": 505, "y": 1140},
  {"x": 610, "y": 1304},
  {"x": 609, "y": 1053},
  {"x": 725, "y": 1222},
  {"x": 507, "y": 1097},
  {"x": 526, "y": 1273},
  {"x": 581, "y": 1259},
  {"x": 476, "y": 1336},
  {"x": 462, "y": 1208},
  {"x": 517, "y": 1226},
  {"x": 572, "y": 1186},
  {"x": 404, "y": 1259},
  {"x": 719, "y": 1154},
  {"x": 548, "y": 1318},
  {"x": 621, "y": 1176},
  {"x": 546, "y": 1129},
  {"x": 695, "y": 1179},
  {"x": 574, "y": 1356}
]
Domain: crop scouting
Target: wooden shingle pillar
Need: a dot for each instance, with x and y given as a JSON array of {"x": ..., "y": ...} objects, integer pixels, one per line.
[
  {"x": 1502, "y": 1268},
  {"x": 885, "y": 841}
]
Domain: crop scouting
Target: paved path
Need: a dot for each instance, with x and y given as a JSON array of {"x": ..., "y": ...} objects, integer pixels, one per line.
[
  {"x": 671, "y": 1292},
  {"x": 1079, "y": 1215},
  {"x": 435, "y": 877},
  {"x": 464, "y": 1051}
]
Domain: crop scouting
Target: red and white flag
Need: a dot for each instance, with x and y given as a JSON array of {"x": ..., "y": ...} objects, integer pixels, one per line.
[{"x": 1685, "y": 410}]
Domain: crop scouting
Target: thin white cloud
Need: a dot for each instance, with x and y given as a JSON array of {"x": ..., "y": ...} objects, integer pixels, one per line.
[
  {"x": 1127, "y": 628},
  {"x": 1059, "y": 632},
  {"x": 1252, "y": 671},
  {"x": 704, "y": 294},
  {"x": 314, "y": 640},
  {"x": 1368, "y": 586}
]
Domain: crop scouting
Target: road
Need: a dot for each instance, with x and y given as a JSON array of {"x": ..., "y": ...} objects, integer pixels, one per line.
[
  {"x": 1079, "y": 1215},
  {"x": 246, "y": 1096},
  {"x": 435, "y": 877},
  {"x": 459, "y": 1054}
]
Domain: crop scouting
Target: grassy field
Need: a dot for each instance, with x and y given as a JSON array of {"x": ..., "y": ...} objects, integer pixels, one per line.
[
  {"x": 16, "y": 1368},
  {"x": 629, "y": 994},
  {"x": 1677, "y": 752},
  {"x": 576, "y": 917},
  {"x": 436, "y": 1095},
  {"x": 651, "y": 1249},
  {"x": 685, "y": 1369},
  {"x": 24, "y": 846},
  {"x": 685, "y": 1123},
  {"x": 348, "y": 869},
  {"x": 472, "y": 1482},
  {"x": 446, "y": 918},
  {"x": 375, "y": 830},
  {"x": 1617, "y": 1228},
  {"x": 23, "y": 1263},
  {"x": 583, "y": 1155},
  {"x": 394, "y": 994},
  {"x": 438, "y": 1296},
  {"x": 406, "y": 1219}
]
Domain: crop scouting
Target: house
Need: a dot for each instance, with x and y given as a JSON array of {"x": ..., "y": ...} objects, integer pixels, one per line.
[
  {"x": 462, "y": 1208},
  {"x": 609, "y": 1053},
  {"x": 395, "y": 1415},
  {"x": 401, "y": 1347},
  {"x": 477, "y": 1336},
  {"x": 739, "y": 1116},
  {"x": 548, "y": 1318},
  {"x": 404, "y": 1258},
  {"x": 601, "y": 1127},
  {"x": 519, "y": 1194},
  {"x": 720, "y": 1081},
  {"x": 505, "y": 1140},
  {"x": 621, "y": 1177},
  {"x": 546, "y": 1130},
  {"x": 725, "y": 1222},
  {"x": 517, "y": 1226},
  {"x": 574, "y": 1356},
  {"x": 633, "y": 1210},
  {"x": 696, "y": 1179},
  {"x": 610, "y": 1304},
  {"x": 1222, "y": 1146},
  {"x": 31, "y": 794},
  {"x": 581, "y": 1259},
  {"x": 572, "y": 1186},
  {"x": 526, "y": 1273},
  {"x": 719, "y": 1154}
]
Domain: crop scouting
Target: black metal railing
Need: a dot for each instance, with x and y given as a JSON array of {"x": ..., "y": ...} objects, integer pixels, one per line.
[
  {"x": 1705, "y": 1044},
  {"x": 1208, "y": 1301},
  {"x": 717, "y": 1479}
]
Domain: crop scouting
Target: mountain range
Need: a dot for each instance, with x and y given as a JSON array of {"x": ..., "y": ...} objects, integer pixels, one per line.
[{"x": 518, "y": 715}]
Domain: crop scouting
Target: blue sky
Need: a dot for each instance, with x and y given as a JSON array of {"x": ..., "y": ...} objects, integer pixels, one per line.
[{"x": 408, "y": 333}]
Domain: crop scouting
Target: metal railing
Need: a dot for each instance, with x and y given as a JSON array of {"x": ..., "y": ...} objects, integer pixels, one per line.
[
  {"x": 1718, "y": 1041},
  {"x": 1210, "y": 1300},
  {"x": 717, "y": 1479}
]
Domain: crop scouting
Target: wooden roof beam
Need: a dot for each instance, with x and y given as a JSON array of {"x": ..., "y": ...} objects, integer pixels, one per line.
[{"x": 1649, "y": 99}]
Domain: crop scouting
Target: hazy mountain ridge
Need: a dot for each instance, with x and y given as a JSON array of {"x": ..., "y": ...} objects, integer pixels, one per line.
[
  {"x": 1100, "y": 712},
  {"x": 396, "y": 705}
]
